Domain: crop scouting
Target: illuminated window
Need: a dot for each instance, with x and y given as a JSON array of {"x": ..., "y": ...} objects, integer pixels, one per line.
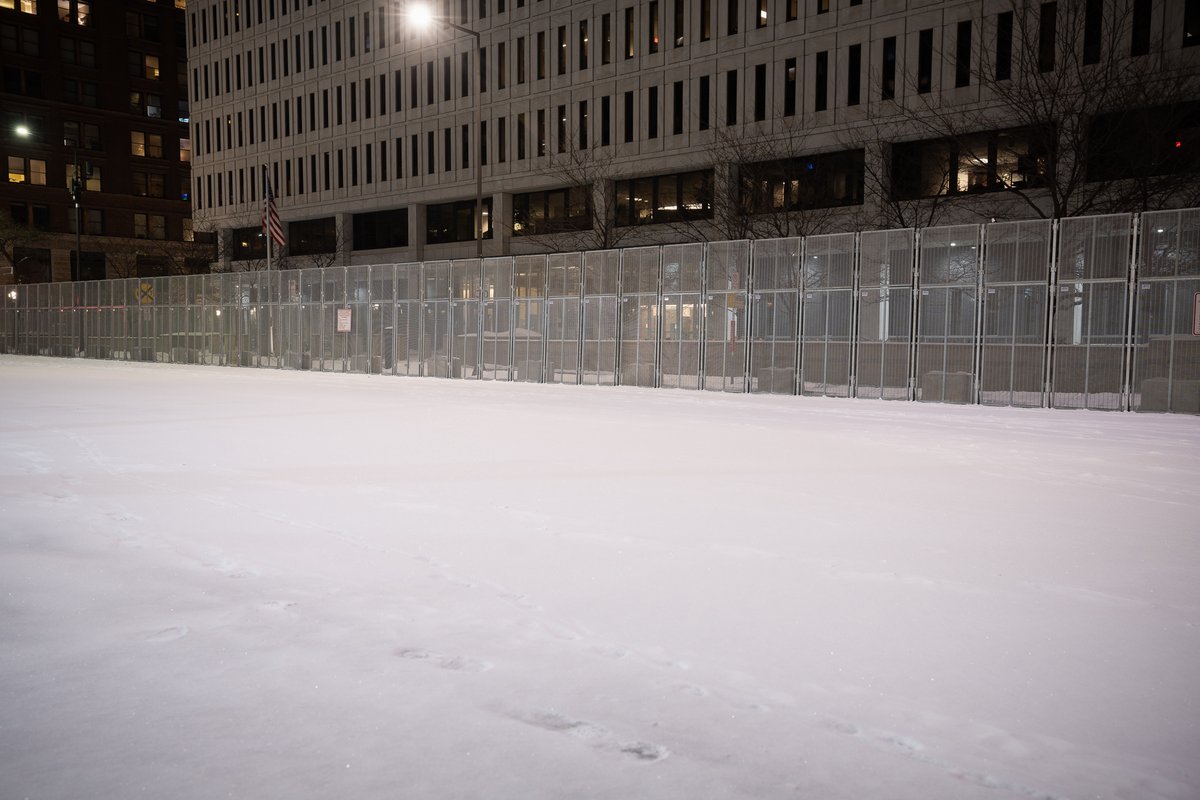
[{"x": 16, "y": 170}]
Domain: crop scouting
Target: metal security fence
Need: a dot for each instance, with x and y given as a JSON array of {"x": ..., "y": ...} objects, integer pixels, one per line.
[{"x": 1089, "y": 312}]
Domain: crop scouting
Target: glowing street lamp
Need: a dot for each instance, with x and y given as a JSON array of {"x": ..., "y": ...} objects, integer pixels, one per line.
[{"x": 421, "y": 17}]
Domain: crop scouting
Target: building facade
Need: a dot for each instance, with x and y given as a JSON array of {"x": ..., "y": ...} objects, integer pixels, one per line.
[
  {"x": 625, "y": 122},
  {"x": 94, "y": 106}
]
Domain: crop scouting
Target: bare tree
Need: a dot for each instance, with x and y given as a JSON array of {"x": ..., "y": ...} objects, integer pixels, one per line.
[{"x": 14, "y": 235}]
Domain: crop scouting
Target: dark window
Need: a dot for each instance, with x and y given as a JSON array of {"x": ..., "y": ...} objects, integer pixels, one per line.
[
  {"x": 760, "y": 92},
  {"x": 705, "y": 20},
  {"x": 789, "y": 87},
  {"x": 1140, "y": 40},
  {"x": 679, "y": 25},
  {"x": 1191, "y": 23},
  {"x": 653, "y": 38},
  {"x": 677, "y": 108},
  {"x": 962, "y": 55},
  {"x": 605, "y": 38},
  {"x": 732, "y": 18},
  {"x": 1093, "y": 30},
  {"x": 379, "y": 229},
  {"x": 583, "y": 44},
  {"x": 703, "y": 111},
  {"x": 795, "y": 184},
  {"x": 1146, "y": 142},
  {"x": 628, "y": 117},
  {"x": 925, "y": 61},
  {"x": 455, "y": 222},
  {"x": 731, "y": 98},
  {"x": 854, "y": 78},
  {"x": 887, "y": 82},
  {"x": 821, "y": 79},
  {"x": 1047, "y": 36},
  {"x": 552, "y": 211},
  {"x": 312, "y": 236},
  {"x": 1004, "y": 30},
  {"x": 652, "y": 113},
  {"x": 562, "y": 50},
  {"x": 664, "y": 198}
]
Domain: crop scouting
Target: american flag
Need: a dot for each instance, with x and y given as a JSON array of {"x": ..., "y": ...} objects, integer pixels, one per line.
[{"x": 270, "y": 215}]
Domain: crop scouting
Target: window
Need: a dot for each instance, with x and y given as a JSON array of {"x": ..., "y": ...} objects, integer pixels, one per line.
[
  {"x": 148, "y": 145},
  {"x": 1047, "y": 36},
  {"x": 583, "y": 44},
  {"x": 605, "y": 121},
  {"x": 312, "y": 236},
  {"x": 828, "y": 180},
  {"x": 149, "y": 226},
  {"x": 520, "y": 61},
  {"x": 887, "y": 82},
  {"x": 664, "y": 198},
  {"x": 760, "y": 92},
  {"x": 629, "y": 46},
  {"x": 76, "y": 12},
  {"x": 732, "y": 18},
  {"x": 26, "y": 170},
  {"x": 1191, "y": 23},
  {"x": 653, "y": 37},
  {"x": 1004, "y": 30},
  {"x": 680, "y": 26},
  {"x": 148, "y": 184},
  {"x": 501, "y": 66},
  {"x": 379, "y": 229},
  {"x": 522, "y": 135},
  {"x": 793, "y": 10},
  {"x": 962, "y": 55},
  {"x": 561, "y": 50},
  {"x": 652, "y": 113},
  {"x": 540, "y": 56},
  {"x": 455, "y": 222},
  {"x": 760, "y": 14},
  {"x": 77, "y": 52},
  {"x": 82, "y": 135},
  {"x": 22, "y": 40},
  {"x": 703, "y": 111},
  {"x": 605, "y": 39},
  {"x": 821, "y": 82},
  {"x": 854, "y": 75},
  {"x": 553, "y": 211},
  {"x": 789, "y": 87},
  {"x": 185, "y": 149},
  {"x": 925, "y": 61},
  {"x": 1093, "y": 30},
  {"x": 677, "y": 108},
  {"x": 1140, "y": 34},
  {"x": 583, "y": 124},
  {"x": 1164, "y": 140},
  {"x": 628, "y": 117},
  {"x": 705, "y": 20},
  {"x": 562, "y": 129},
  {"x": 981, "y": 162},
  {"x": 731, "y": 97},
  {"x": 822, "y": 6}
]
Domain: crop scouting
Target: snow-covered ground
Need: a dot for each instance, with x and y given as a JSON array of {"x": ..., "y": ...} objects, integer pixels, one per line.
[{"x": 257, "y": 584}]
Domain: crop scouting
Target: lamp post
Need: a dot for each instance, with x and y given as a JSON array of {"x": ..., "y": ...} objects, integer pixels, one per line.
[
  {"x": 422, "y": 16},
  {"x": 76, "y": 190}
]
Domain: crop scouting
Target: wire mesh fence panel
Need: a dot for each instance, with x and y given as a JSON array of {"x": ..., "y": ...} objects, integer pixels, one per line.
[
  {"x": 601, "y": 317},
  {"x": 1166, "y": 344},
  {"x": 884, "y": 353},
  {"x": 639, "y": 316},
  {"x": 827, "y": 324},
  {"x": 1090, "y": 312},
  {"x": 726, "y": 273},
  {"x": 435, "y": 338},
  {"x": 497, "y": 331},
  {"x": 1016, "y": 280},
  {"x": 947, "y": 314},
  {"x": 682, "y": 310},
  {"x": 564, "y": 314},
  {"x": 465, "y": 310},
  {"x": 775, "y": 315},
  {"x": 529, "y": 292}
]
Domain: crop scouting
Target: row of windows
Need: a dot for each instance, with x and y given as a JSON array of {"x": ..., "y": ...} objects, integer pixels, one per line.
[{"x": 138, "y": 225}]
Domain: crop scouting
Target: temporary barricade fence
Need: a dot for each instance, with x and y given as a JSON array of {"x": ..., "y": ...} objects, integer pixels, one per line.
[{"x": 1088, "y": 312}]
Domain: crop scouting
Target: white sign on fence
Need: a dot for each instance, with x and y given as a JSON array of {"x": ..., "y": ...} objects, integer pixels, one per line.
[{"x": 343, "y": 320}]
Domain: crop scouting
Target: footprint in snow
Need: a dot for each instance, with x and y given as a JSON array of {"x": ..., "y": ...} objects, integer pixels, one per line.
[
  {"x": 594, "y": 735},
  {"x": 167, "y": 635},
  {"x": 453, "y": 663}
]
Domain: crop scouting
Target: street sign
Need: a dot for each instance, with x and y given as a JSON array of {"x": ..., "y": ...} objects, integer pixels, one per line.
[
  {"x": 145, "y": 293},
  {"x": 343, "y": 320}
]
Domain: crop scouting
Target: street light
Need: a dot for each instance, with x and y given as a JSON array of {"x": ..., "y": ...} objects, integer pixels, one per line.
[
  {"x": 76, "y": 190},
  {"x": 421, "y": 16}
]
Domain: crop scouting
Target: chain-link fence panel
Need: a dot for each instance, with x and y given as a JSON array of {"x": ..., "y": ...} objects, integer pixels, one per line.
[
  {"x": 640, "y": 315},
  {"x": 1091, "y": 312},
  {"x": 775, "y": 315},
  {"x": 1166, "y": 345},
  {"x": 947, "y": 314},
  {"x": 564, "y": 315},
  {"x": 1016, "y": 280},
  {"x": 497, "y": 332},
  {"x": 601, "y": 317},
  {"x": 827, "y": 322},
  {"x": 726, "y": 315},
  {"x": 883, "y": 357},
  {"x": 682, "y": 311},
  {"x": 529, "y": 319}
]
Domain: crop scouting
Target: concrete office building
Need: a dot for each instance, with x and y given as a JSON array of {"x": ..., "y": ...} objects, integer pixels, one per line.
[
  {"x": 94, "y": 104},
  {"x": 622, "y": 122}
]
